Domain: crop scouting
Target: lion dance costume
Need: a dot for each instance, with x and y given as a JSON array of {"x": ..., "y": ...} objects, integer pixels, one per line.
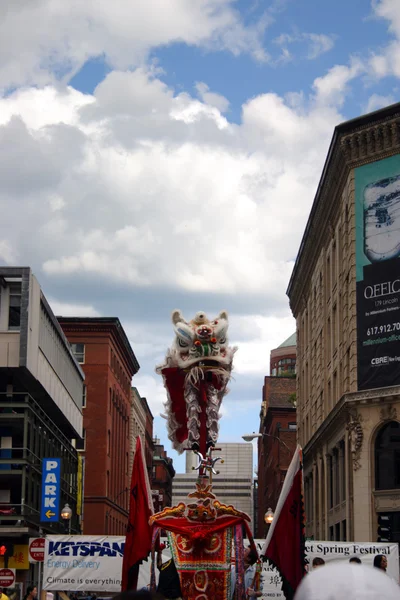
[{"x": 206, "y": 536}]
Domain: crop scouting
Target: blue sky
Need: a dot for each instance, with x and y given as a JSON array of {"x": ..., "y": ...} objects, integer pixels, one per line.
[{"x": 165, "y": 154}]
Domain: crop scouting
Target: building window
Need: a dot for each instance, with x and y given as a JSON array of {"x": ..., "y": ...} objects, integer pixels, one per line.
[
  {"x": 286, "y": 365},
  {"x": 108, "y": 442},
  {"x": 14, "y": 310},
  {"x": 387, "y": 457},
  {"x": 84, "y": 391},
  {"x": 78, "y": 350},
  {"x": 81, "y": 442}
]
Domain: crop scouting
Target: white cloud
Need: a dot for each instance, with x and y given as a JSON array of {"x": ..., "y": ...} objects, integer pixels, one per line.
[
  {"x": 138, "y": 184},
  {"x": 211, "y": 98},
  {"x": 387, "y": 61},
  {"x": 7, "y": 253},
  {"x": 66, "y": 35},
  {"x": 65, "y": 309},
  {"x": 331, "y": 88},
  {"x": 319, "y": 43},
  {"x": 376, "y": 101},
  {"x": 258, "y": 336},
  {"x": 153, "y": 390},
  {"x": 316, "y": 43}
]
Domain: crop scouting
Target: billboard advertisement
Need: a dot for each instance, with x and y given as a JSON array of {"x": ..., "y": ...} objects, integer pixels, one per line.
[
  {"x": 87, "y": 563},
  {"x": 377, "y": 193}
]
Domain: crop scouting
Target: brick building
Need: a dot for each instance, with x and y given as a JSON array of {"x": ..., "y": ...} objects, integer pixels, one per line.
[
  {"x": 277, "y": 444},
  {"x": 283, "y": 359},
  {"x": 162, "y": 474},
  {"x": 148, "y": 438},
  {"x": 103, "y": 350}
]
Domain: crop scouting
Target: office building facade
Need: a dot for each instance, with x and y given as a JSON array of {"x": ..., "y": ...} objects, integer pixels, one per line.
[
  {"x": 41, "y": 395},
  {"x": 344, "y": 294},
  {"x": 232, "y": 485}
]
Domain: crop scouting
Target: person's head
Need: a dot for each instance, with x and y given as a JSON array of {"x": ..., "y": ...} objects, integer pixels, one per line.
[
  {"x": 31, "y": 590},
  {"x": 317, "y": 562},
  {"x": 139, "y": 595},
  {"x": 355, "y": 560},
  {"x": 339, "y": 580},
  {"x": 380, "y": 562},
  {"x": 250, "y": 556}
]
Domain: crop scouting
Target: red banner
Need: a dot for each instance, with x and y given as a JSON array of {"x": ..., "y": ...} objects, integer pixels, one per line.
[
  {"x": 138, "y": 533},
  {"x": 284, "y": 547}
]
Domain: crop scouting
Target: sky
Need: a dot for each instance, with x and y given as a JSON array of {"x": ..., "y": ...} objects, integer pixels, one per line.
[{"x": 163, "y": 154}]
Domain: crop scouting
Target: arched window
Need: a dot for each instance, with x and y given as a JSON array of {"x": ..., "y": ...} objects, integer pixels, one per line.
[{"x": 387, "y": 457}]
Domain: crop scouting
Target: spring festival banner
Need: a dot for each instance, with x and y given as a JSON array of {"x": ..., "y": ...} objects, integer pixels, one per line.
[{"x": 377, "y": 194}]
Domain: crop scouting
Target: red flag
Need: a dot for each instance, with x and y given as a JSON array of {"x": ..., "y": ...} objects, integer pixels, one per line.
[
  {"x": 284, "y": 547},
  {"x": 138, "y": 533}
]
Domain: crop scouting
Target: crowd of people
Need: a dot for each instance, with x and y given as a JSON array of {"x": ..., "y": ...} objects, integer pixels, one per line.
[
  {"x": 380, "y": 562},
  {"x": 31, "y": 593}
]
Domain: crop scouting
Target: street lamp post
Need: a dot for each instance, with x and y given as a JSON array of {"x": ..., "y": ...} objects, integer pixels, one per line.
[
  {"x": 269, "y": 516},
  {"x": 66, "y": 515},
  {"x": 249, "y": 437}
]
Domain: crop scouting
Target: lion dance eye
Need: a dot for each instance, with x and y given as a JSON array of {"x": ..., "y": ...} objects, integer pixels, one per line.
[
  {"x": 222, "y": 340},
  {"x": 182, "y": 344}
]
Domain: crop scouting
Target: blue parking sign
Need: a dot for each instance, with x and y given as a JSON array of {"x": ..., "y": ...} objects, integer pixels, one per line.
[{"x": 51, "y": 480}]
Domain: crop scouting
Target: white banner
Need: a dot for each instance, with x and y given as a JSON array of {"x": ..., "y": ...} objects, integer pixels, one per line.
[
  {"x": 331, "y": 551},
  {"x": 88, "y": 563},
  {"x": 365, "y": 551}
]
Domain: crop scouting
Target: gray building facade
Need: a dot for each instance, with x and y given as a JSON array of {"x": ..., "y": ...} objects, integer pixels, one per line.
[{"x": 41, "y": 393}]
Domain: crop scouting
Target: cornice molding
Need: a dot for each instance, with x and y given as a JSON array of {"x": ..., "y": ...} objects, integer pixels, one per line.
[
  {"x": 343, "y": 413},
  {"x": 367, "y": 143}
]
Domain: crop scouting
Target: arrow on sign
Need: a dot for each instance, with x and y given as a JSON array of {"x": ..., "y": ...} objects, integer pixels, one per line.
[{"x": 50, "y": 514}]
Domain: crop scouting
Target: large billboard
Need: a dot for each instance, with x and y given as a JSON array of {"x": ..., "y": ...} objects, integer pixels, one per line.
[{"x": 377, "y": 190}]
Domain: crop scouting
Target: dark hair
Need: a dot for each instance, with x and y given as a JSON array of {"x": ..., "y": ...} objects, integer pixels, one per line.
[
  {"x": 138, "y": 595},
  {"x": 252, "y": 555},
  {"x": 29, "y": 590},
  {"x": 378, "y": 561},
  {"x": 318, "y": 561},
  {"x": 355, "y": 559}
]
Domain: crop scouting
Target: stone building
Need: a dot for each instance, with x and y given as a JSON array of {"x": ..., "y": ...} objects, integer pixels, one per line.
[
  {"x": 348, "y": 393},
  {"x": 283, "y": 358},
  {"x": 137, "y": 423}
]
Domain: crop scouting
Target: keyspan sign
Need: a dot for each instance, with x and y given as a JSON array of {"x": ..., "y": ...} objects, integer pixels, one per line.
[{"x": 51, "y": 480}]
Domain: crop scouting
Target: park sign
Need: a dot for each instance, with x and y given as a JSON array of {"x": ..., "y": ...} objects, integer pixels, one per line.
[{"x": 51, "y": 484}]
